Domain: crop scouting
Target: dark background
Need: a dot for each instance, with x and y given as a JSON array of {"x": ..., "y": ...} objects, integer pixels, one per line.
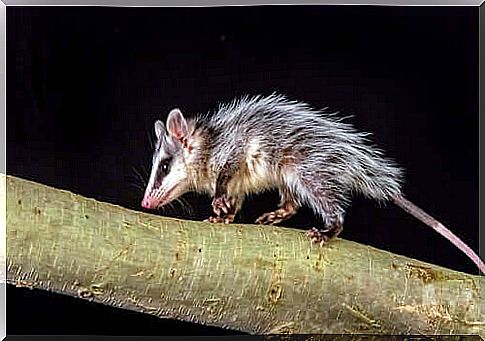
[{"x": 84, "y": 86}]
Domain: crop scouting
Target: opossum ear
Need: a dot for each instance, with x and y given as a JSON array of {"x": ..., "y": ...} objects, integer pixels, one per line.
[
  {"x": 159, "y": 129},
  {"x": 176, "y": 124}
]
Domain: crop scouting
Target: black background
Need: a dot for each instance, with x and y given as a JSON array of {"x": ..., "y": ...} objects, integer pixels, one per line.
[{"x": 84, "y": 86}]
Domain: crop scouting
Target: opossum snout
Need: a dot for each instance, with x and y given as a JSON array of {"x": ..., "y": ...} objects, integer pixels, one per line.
[
  {"x": 156, "y": 198},
  {"x": 149, "y": 203}
]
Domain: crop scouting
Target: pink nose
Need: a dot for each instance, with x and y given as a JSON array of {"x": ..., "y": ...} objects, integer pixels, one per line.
[{"x": 149, "y": 203}]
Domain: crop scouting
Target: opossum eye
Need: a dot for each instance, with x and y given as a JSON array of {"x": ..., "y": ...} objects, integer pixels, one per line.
[{"x": 165, "y": 167}]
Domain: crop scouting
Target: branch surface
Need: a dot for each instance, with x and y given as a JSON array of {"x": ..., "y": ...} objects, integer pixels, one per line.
[{"x": 256, "y": 279}]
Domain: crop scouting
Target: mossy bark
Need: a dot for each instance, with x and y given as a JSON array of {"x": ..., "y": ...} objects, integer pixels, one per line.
[{"x": 256, "y": 279}]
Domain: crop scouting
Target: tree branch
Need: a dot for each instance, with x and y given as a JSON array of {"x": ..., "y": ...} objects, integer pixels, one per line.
[{"x": 256, "y": 279}]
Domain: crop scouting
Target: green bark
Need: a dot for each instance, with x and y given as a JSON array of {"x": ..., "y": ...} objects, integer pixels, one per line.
[{"x": 256, "y": 279}]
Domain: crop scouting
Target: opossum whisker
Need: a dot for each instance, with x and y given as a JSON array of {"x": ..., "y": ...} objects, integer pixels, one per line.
[
  {"x": 140, "y": 177},
  {"x": 137, "y": 186},
  {"x": 134, "y": 181},
  {"x": 152, "y": 142},
  {"x": 146, "y": 172},
  {"x": 167, "y": 208},
  {"x": 186, "y": 208}
]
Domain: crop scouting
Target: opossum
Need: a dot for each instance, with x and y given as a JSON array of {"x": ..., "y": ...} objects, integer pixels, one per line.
[{"x": 257, "y": 143}]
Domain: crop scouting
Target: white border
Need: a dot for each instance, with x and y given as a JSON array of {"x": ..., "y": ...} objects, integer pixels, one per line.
[
  {"x": 218, "y": 3},
  {"x": 139, "y": 3},
  {"x": 3, "y": 164}
]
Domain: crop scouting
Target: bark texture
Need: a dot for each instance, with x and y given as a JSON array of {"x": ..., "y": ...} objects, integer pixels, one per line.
[{"x": 256, "y": 279}]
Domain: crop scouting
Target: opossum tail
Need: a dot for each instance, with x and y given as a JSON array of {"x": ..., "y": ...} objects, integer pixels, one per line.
[{"x": 424, "y": 217}]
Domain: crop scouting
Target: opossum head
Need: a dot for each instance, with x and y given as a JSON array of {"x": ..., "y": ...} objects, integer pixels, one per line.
[{"x": 168, "y": 178}]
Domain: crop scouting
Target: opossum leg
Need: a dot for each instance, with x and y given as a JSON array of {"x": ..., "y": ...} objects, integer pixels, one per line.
[
  {"x": 225, "y": 207},
  {"x": 331, "y": 208},
  {"x": 287, "y": 208},
  {"x": 333, "y": 227}
]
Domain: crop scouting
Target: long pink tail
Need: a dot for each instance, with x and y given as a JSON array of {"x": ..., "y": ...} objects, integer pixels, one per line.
[{"x": 419, "y": 214}]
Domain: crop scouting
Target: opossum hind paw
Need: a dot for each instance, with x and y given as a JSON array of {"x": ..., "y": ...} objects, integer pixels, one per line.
[{"x": 322, "y": 236}]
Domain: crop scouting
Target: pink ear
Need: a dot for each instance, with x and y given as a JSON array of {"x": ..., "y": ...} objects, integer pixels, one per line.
[{"x": 176, "y": 124}]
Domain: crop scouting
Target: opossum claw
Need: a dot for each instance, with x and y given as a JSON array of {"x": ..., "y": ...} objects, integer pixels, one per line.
[
  {"x": 277, "y": 216},
  {"x": 221, "y": 219},
  {"x": 322, "y": 236},
  {"x": 214, "y": 220},
  {"x": 222, "y": 203}
]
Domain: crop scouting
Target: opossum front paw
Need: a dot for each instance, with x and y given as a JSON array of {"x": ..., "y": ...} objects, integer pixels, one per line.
[
  {"x": 227, "y": 219},
  {"x": 222, "y": 205},
  {"x": 275, "y": 217}
]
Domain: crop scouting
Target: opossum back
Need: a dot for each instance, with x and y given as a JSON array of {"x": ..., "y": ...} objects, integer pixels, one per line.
[{"x": 315, "y": 140}]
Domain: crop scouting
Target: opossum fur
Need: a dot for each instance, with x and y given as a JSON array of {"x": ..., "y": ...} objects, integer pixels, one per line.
[{"x": 258, "y": 143}]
